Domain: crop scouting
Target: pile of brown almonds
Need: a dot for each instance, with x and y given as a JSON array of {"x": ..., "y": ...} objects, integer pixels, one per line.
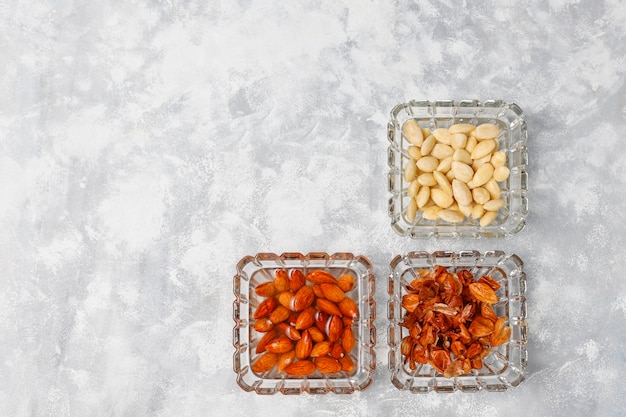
[
  {"x": 306, "y": 323},
  {"x": 450, "y": 320},
  {"x": 453, "y": 173}
]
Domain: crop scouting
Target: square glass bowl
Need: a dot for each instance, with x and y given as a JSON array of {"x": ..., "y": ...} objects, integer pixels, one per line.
[
  {"x": 505, "y": 366},
  {"x": 442, "y": 114},
  {"x": 255, "y": 270}
]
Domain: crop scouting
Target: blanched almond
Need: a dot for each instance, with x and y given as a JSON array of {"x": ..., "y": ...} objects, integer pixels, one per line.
[
  {"x": 414, "y": 152},
  {"x": 441, "y": 151},
  {"x": 461, "y": 128},
  {"x": 441, "y": 198},
  {"x": 461, "y": 192},
  {"x": 414, "y": 186},
  {"x": 431, "y": 213},
  {"x": 451, "y": 216},
  {"x": 411, "y": 210},
  {"x": 482, "y": 175},
  {"x": 462, "y": 171},
  {"x": 483, "y": 149},
  {"x": 480, "y": 195},
  {"x": 498, "y": 159},
  {"x": 488, "y": 217},
  {"x": 462, "y": 155},
  {"x": 443, "y": 182},
  {"x": 428, "y": 144},
  {"x": 486, "y": 131},
  {"x": 445, "y": 164},
  {"x": 494, "y": 205},
  {"x": 458, "y": 141},
  {"x": 442, "y": 135},
  {"x": 493, "y": 188},
  {"x": 410, "y": 171},
  {"x": 413, "y": 132},
  {"x": 427, "y": 163},
  {"x": 422, "y": 197},
  {"x": 427, "y": 179},
  {"x": 477, "y": 211},
  {"x": 501, "y": 173}
]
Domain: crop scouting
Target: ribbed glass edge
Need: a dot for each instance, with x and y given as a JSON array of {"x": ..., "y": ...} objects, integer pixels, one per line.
[
  {"x": 515, "y": 358},
  {"x": 366, "y": 365},
  {"x": 442, "y": 113}
]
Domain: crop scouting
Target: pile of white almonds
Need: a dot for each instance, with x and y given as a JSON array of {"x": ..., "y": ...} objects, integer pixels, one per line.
[{"x": 453, "y": 173}]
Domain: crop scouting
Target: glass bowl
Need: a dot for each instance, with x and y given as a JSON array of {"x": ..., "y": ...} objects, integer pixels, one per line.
[
  {"x": 252, "y": 271},
  {"x": 443, "y": 114},
  {"x": 505, "y": 365}
]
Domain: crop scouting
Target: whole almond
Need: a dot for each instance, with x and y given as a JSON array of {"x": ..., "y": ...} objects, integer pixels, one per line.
[
  {"x": 327, "y": 365},
  {"x": 265, "y": 289},
  {"x": 304, "y": 345},
  {"x": 317, "y": 290},
  {"x": 296, "y": 280},
  {"x": 267, "y": 337},
  {"x": 316, "y": 334},
  {"x": 337, "y": 351},
  {"x": 285, "y": 359},
  {"x": 332, "y": 292},
  {"x": 281, "y": 280},
  {"x": 321, "y": 318},
  {"x": 347, "y": 364},
  {"x": 279, "y": 345},
  {"x": 279, "y": 314},
  {"x": 291, "y": 332},
  {"x": 303, "y": 298},
  {"x": 285, "y": 299},
  {"x": 300, "y": 368},
  {"x": 321, "y": 349},
  {"x": 347, "y": 339},
  {"x": 265, "y": 308},
  {"x": 346, "y": 282},
  {"x": 335, "y": 328},
  {"x": 263, "y": 325},
  {"x": 349, "y": 308},
  {"x": 306, "y": 318},
  {"x": 328, "y": 306},
  {"x": 320, "y": 277},
  {"x": 265, "y": 362}
]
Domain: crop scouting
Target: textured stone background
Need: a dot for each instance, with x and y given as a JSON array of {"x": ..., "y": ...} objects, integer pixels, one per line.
[{"x": 146, "y": 146}]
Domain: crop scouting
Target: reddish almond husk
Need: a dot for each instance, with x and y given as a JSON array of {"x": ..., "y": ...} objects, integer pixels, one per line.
[
  {"x": 332, "y": 292},
  {"x": 300, "y": 368},
  {"x": 296, "y": 280},
  {"x": 482, "y": 292},
  {"x": 327, "y": 365},
  {"x": 265, "y": 362}
]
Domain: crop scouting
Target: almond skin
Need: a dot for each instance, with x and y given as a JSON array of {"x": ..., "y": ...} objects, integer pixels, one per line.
[
  {"x": 303, "y": 298},
  {"x": 265, "y": 308},
  {"x": 482, "y": 292},
  {"x": 304, "y": 345},
  {"x": 296, "y": 280},
  {"x": 320, "y": 277},
  {"x": 300, "y": 368},
  {"x": 279, "y": 345},
  {"x": 265, "y": 362},
  {"x": 327, "y": 365},
  {"x": 332, "y": 292}
]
